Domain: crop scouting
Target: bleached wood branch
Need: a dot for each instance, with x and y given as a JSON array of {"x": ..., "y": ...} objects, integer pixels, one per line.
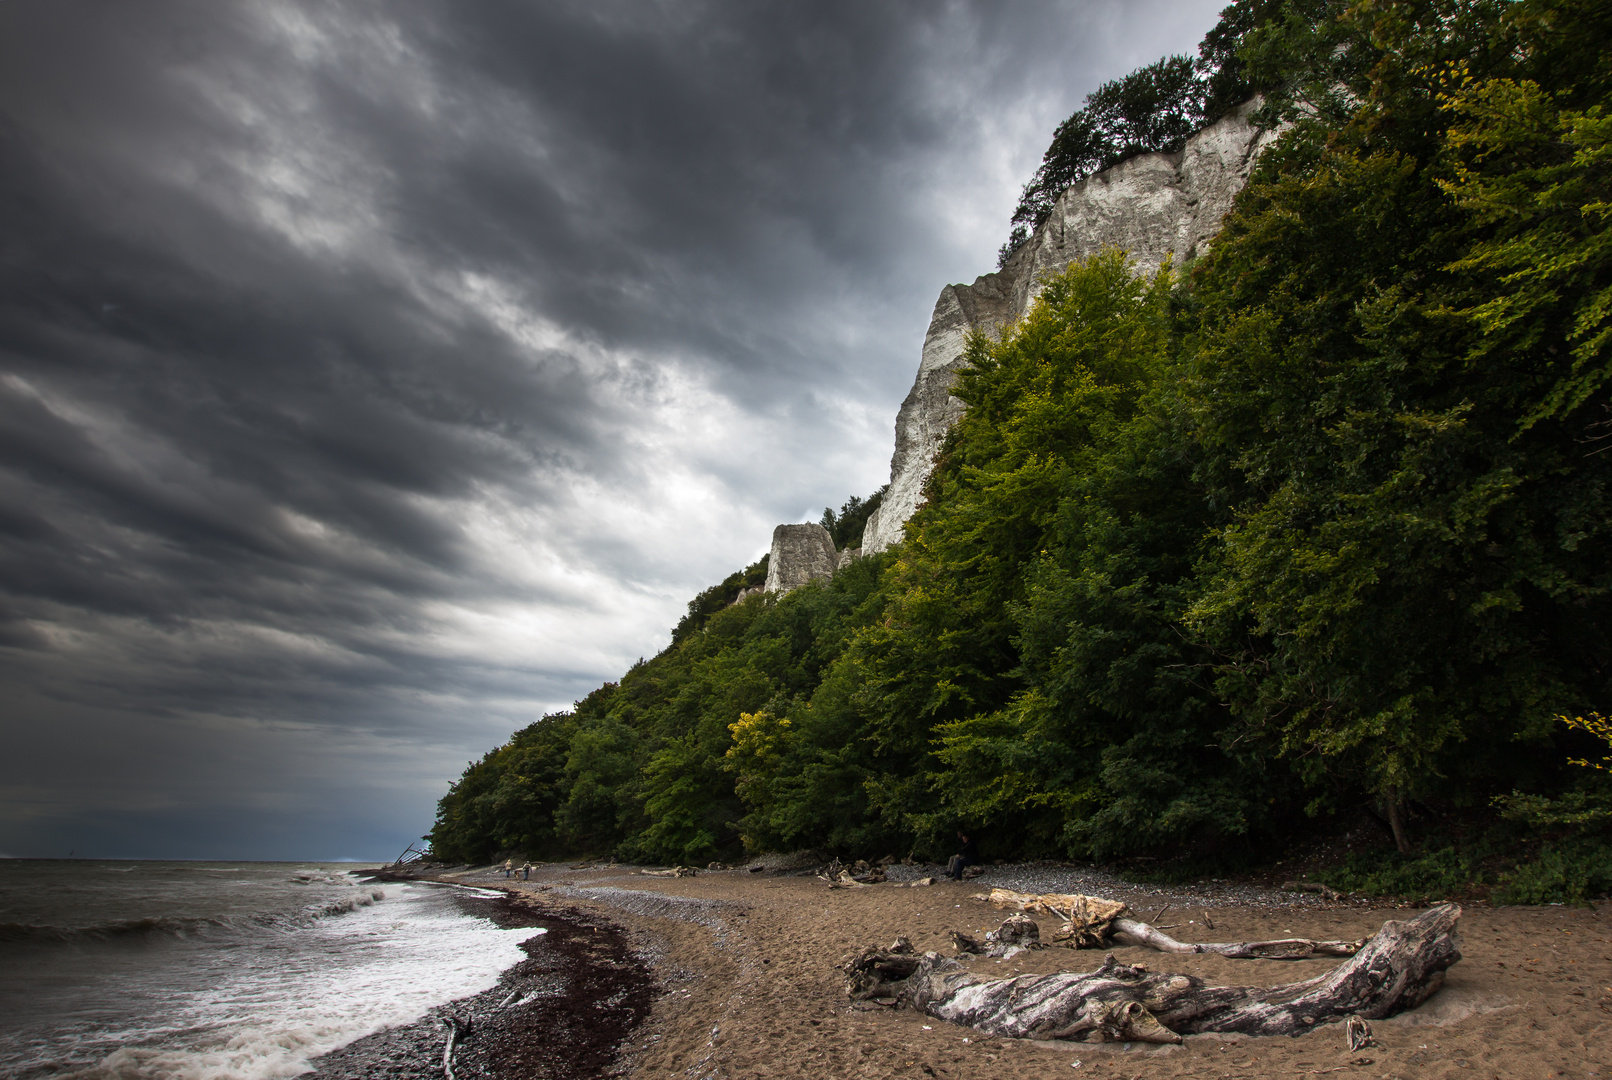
[{"x": 1398, "y": 969}]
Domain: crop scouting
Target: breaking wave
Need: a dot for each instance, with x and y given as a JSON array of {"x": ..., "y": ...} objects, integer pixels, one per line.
[
  {"x": 249, "y": 976},
  {"x": 172, "y": 927}
]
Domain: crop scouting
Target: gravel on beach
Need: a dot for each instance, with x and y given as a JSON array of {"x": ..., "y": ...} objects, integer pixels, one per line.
[
  {"x": 744, "y": 983},
  {"x": 560, "y": 1014},
  {"x": 1091, "y": 881}
]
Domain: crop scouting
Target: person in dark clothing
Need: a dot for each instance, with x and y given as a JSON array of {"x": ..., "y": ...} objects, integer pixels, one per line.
[{"x": 967, "y": 855}]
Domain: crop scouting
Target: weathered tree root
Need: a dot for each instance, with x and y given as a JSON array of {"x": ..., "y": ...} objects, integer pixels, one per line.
[
  {"x": 1088, "y": 920},
  {"x": 1398, "y": 969},
  {"x": 1016, "y": 934},
  {"x": 1092, "y": 922}
]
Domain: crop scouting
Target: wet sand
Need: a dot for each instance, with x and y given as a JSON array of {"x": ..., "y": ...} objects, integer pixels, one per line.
[{"x": 744, "y": 983}]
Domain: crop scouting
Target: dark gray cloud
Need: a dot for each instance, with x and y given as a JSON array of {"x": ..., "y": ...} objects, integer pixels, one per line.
[{"x": 374, "y": 377}]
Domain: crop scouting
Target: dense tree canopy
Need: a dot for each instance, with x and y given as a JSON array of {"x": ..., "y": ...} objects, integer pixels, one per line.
[{"x": 1319, "y": 524}]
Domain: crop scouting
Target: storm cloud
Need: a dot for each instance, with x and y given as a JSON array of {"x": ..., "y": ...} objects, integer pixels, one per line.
[{"x": 375, "y": 378}]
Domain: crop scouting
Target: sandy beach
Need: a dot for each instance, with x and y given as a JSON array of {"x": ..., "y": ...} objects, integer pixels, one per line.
[{"x": 745, "y": 985}]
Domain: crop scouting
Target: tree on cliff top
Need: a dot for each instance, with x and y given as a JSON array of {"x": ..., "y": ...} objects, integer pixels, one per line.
[
  {"x": 1156, "y": 108},
  {"x": 718, "y": 596},
  {"x": 846, "y": 526}
]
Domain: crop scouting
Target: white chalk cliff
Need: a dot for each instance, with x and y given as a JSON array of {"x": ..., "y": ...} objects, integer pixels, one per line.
[
  {"x": 1150, "y": 206},
  {"x": 800, "y": 553}
]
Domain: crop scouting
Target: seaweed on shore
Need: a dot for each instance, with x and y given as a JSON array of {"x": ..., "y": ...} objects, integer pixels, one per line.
[{"x": 563, "y": 1013}]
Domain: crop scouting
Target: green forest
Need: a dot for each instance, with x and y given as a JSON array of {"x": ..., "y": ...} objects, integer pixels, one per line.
[{"x": 1314, "y": 531}]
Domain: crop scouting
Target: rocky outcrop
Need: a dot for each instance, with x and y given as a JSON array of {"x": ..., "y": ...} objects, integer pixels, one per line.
[
  {"x": 800, "y": 553},
  {"x": 1151, "y": 206}
]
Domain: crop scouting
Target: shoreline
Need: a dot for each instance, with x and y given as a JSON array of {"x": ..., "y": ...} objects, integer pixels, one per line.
[
  {"x": 559, "y": 1013},
  {"x": 741, "y": 967}
]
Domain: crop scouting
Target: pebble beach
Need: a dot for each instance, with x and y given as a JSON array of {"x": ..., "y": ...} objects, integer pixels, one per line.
[{"x": 740, "y": 980}]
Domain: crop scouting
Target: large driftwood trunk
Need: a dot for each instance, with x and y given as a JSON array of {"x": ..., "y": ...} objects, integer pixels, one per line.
[{"x": 1398, "y": 969}]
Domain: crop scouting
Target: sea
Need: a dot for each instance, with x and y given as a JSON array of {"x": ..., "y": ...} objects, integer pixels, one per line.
[{"x": 224, "y": 970}]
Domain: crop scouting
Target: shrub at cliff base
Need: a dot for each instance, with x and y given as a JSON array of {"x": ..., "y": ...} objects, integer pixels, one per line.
[{"x": 1316, "y": 526}]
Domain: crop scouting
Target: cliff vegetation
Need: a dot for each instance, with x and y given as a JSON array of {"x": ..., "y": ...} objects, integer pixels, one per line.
[{"x": 1316, "y": 530}]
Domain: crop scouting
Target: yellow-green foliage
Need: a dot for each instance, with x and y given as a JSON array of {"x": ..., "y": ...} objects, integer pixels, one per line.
[
  {"x": 1321, "y": 523},
  {"x": 1597, "y": 725}
]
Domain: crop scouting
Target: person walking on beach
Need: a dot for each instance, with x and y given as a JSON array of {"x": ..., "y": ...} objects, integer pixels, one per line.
[
  {"x": 509, "y": 867},
  {"x": 526, "y": 872},
  {"x": 967, "y": 855}
]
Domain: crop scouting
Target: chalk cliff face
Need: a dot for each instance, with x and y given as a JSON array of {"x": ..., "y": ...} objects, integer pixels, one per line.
[
  {"x": 1151, "y": 206},
  {"x": 800, "y": 553}
]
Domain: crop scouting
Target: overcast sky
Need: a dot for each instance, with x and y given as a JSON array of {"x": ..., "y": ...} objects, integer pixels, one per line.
[{"x": 376, "y": 377}]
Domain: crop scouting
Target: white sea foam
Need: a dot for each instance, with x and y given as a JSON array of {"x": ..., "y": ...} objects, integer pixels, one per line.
[{"x": 251, "y": 1006}]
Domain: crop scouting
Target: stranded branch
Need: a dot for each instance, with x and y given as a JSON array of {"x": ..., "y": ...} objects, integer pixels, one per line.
[
  {"x": 1398, "y": 969},
  {"x": 1090, "y": 921}
]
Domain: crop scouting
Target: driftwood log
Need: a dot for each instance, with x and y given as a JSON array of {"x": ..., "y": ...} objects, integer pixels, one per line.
[
  {"x": 457, "y": 1030},
  {"x": 1092, "y": 922},
  {"x": 1131, "y": 932},
  {"x": 1313, "y": 887},
  {"x": 842, "y": 876},
  {"x": 1398, "y": 969}
]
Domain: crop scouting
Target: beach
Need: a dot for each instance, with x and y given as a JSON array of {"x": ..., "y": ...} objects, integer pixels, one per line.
[{"x": 744, "y": 983}]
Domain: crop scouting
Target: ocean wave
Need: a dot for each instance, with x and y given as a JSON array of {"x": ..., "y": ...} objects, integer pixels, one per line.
[
  {"x": 250, "y": 1053},
  {"x": 137, "y": 929},
  {"x": 351, "y": 903},
  {"x": 216, "y": 1006}
]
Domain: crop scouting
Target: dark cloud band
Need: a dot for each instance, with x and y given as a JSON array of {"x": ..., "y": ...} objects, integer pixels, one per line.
[{"x": 375, "y": 376}]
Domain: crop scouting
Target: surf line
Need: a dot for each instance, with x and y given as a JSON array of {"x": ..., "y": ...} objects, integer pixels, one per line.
[{"x": 574, "y": 1002}]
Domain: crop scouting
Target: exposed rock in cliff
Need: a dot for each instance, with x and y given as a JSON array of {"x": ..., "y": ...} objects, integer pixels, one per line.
[
  {"x": 800, "y": 553},
  {"x": 1151, "y": 206}
]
